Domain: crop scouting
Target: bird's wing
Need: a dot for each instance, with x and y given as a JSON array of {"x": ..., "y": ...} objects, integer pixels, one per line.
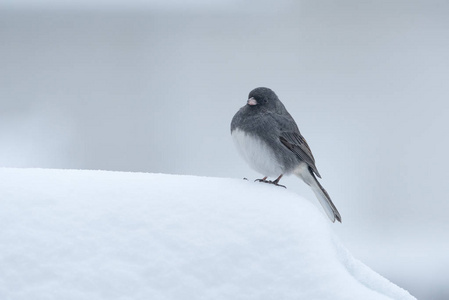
[{"x": 294, "y": 141}]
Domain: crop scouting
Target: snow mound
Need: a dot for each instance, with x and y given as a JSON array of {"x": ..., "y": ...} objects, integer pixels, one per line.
[{"x": 68, "y": 234}]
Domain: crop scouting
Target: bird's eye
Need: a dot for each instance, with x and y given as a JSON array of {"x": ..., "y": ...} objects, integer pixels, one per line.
[{"x": 265, "y": 101}]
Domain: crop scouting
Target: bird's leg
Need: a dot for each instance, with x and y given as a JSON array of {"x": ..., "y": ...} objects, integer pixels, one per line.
[
  {"x": 263, "y": 180},
  {"x": 277, "y": 179},
  {"x": 276, "y": 182}
]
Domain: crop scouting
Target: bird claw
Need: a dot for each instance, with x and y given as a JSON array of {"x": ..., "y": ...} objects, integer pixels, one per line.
[
  {"x": 277, "y": 184},
  {"x": 264, "y": 180}
]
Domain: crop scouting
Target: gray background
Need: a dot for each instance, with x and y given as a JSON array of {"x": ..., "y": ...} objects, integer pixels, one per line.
[{"x": 151, "y": 87}]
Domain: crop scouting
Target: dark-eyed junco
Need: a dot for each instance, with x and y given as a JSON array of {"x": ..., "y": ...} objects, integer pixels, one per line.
[{"x": 269, "y": 140}]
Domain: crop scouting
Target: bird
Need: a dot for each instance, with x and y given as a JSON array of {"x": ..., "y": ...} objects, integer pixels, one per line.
[{"x": 268, "y": 139}]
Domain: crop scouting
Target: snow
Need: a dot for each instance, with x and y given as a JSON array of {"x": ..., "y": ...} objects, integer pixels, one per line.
[{"x": 67, "y": 234}]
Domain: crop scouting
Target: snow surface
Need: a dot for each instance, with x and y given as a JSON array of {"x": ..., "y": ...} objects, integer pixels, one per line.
[{"x": 67, "y": 234}]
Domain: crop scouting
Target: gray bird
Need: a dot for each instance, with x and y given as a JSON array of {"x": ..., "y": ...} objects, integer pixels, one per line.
[{"x": 269, "y": 140}]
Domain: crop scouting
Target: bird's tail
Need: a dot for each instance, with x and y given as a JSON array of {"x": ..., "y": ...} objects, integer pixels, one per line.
[{"x": 322, "y": 196}]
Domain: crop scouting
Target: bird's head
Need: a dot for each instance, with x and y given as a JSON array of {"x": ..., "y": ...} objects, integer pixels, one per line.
[{"x": 263, "y": 97}]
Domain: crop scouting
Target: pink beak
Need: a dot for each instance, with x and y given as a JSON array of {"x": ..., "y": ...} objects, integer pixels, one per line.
[{"x": 252, "y": 101}]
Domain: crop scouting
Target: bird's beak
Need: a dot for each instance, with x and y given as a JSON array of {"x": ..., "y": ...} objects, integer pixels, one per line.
[{"x": 252, "y": 101}]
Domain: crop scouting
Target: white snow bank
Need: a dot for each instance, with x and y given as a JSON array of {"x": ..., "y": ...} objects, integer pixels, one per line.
[{"x": 107, "y": 235}]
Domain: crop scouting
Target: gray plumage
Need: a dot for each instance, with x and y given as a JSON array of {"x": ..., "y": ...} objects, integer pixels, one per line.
[{"x": 269, "y": 140}]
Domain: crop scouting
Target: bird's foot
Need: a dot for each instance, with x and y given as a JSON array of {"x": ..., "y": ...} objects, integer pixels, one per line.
[
  {"x": 275, "y": 182},
  {"x": 263, "y": 180}
]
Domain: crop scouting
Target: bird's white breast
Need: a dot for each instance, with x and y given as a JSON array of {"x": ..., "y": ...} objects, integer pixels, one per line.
[{"x": 257, "y": 154}]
